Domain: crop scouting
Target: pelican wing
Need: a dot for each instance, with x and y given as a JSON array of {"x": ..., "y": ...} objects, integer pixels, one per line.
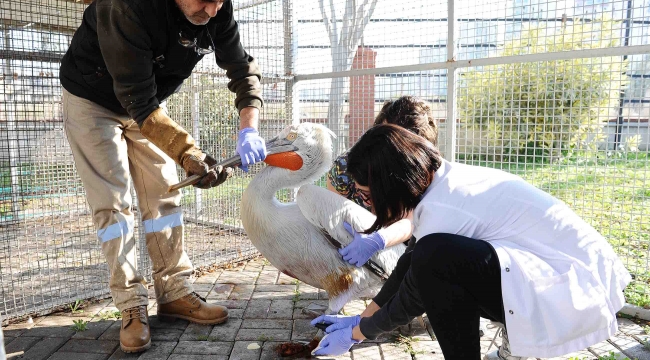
[{"x": 327, "y": 211}]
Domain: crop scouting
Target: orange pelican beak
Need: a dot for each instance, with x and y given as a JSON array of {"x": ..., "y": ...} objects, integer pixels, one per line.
[
  {"x": 286, "y": 160},
  {"x": 282, "y": 153}
]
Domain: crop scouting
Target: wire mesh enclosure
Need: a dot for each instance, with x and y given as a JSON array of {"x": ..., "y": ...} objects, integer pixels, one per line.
[
  {"x": 50, "y": 252},
  {"x": 556, "y": 91}
]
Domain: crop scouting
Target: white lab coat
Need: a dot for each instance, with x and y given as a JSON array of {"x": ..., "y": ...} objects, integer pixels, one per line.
[{"x": 561, "y": 281}]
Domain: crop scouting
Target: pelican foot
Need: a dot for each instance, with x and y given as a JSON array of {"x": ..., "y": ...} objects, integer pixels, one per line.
[{"x": 314, "y": 310}]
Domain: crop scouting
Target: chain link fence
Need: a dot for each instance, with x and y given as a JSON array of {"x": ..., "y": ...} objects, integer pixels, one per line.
[
  {"x": 556, "y": 91},
  {"x": 50, "y": 255}
]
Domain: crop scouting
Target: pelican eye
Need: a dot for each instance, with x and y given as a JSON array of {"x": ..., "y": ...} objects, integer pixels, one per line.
[{"x": 292, "y": 136}]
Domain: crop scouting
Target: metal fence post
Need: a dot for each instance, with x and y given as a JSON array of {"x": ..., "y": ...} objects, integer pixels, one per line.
[
  {"x": 620, "y": 120},
  {"x": 451, "y": 120},
  {"x": 196, "y": 133},
  {"x": 292, "y": 106},
  {"x": 14, "y": 163},
  {"x": 12, "y": 137}
]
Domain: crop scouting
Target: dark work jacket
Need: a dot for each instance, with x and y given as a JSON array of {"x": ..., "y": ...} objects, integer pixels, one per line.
[{"x": 125, "y": 56}]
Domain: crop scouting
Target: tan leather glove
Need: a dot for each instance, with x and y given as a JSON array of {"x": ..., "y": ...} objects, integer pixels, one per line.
[
  {"x": 216, "y": 176},
  {"x": 179, "y": 145}
]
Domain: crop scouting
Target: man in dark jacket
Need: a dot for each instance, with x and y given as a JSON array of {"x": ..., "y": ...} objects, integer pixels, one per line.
[{"x": 125, "y": 59}]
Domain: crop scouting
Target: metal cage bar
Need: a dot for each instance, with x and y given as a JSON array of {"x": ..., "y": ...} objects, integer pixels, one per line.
[{"x": 585, "y": 145}]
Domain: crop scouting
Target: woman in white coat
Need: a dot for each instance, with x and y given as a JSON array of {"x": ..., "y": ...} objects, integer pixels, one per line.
[{"x": 488, "y": 244}]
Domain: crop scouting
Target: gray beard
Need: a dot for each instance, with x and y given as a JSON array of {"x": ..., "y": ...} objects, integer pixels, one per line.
[{"x": 194, "y": 23}]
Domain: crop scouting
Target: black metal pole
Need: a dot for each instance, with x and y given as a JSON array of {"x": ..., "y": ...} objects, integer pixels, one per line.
[{"x": 621, "y": 103}]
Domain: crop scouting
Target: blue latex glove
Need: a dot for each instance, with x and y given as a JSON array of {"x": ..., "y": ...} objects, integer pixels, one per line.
[
  {"x": 251, "y": 147},
  {"x": 336, "y": 343},
  {"x": 362, "y": 247},
  {"x": 338, "y": 321}
]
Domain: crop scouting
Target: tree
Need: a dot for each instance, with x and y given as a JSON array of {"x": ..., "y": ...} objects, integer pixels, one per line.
[
  {"x": 545, "y": 109},
  {"x": 343, "y": 45}
]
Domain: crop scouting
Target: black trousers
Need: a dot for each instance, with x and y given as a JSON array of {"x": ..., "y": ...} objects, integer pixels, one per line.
[
  {"x": 456, "y": 280},
  {"x": 393, "y": 282}
]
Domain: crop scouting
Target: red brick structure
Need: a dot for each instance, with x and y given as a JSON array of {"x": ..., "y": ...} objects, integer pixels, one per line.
[{"x": 362, "y": 95}]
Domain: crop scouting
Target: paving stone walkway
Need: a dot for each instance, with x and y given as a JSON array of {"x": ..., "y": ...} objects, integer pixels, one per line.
[{"x": 265, "y": 310}]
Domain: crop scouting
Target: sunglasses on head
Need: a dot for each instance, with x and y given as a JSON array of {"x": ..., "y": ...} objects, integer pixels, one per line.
[{"x": 192, "y": 44}]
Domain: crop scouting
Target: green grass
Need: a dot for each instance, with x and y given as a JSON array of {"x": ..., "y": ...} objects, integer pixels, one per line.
[
  {"x": 5, "y": 209},
  {"x": 36, "y": 175},
  {"x": 296, "y": 296},
  {"x": 80, "y": 325},
  {"x": 646, "y": 344},
  {"x": 75, "y": 307},
  {"x": 611, "y": 191},
  {"x": 5, "y": 175},
  {"x": 406, "y": 343},
  {"x": 612, "y": 194},
  {"x": 110, "y": 315},
  {"x": 612, "y": 356},
  {"x": 233, "y": 188}
]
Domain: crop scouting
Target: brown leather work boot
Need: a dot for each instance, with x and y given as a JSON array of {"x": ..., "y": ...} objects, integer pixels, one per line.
[
  {"x": 193, "y": 308},
  {"x": 135, "y": 335}
]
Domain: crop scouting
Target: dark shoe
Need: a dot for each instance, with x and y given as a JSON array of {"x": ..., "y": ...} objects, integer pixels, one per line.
[
  {"x": 135, "y": 335},
  {"x": 194, "y": 308}
]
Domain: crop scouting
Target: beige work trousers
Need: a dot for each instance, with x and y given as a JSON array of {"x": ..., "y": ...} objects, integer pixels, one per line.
[{"x": 107, "y": 149}]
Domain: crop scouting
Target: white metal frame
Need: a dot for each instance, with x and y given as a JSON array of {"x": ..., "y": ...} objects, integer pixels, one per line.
[
  {"x": 452, "y": 65},
  {"x": 452, "y": 72},
  {"x": 457, "y": 64},
  {"x": 293, "y": 81}
]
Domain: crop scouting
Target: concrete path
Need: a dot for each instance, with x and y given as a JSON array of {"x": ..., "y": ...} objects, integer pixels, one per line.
[{"x": 265, "y": 310}]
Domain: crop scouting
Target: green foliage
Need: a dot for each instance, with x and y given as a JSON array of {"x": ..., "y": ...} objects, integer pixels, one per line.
[
  {"x": 296, "y": 296},
  {"x": 646, "y": 344},
  {"x": 109, "y": 315},
  {"x": 80, "y": 325},
  {"x": 611, "y": 194},
  {"x": 637, "y": 294},
  {"x": 76, "y": 306},
  {"x": 406, "y": 342},
  {"x": 5, "y": 209},
  {"x": 547, "y": 109},
  {"x": 612, "y": 356}
]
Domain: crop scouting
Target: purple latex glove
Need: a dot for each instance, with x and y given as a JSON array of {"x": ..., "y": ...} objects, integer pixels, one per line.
[
  {"x": 363, "y": 247},
  {"x": 338, "y": 321},
  {"x": 251, "y": 147},
  {"x": 336, "y": 343}
]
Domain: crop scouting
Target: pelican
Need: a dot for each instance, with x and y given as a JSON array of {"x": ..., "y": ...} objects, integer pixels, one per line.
[{"x": 300, "y": 238}]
